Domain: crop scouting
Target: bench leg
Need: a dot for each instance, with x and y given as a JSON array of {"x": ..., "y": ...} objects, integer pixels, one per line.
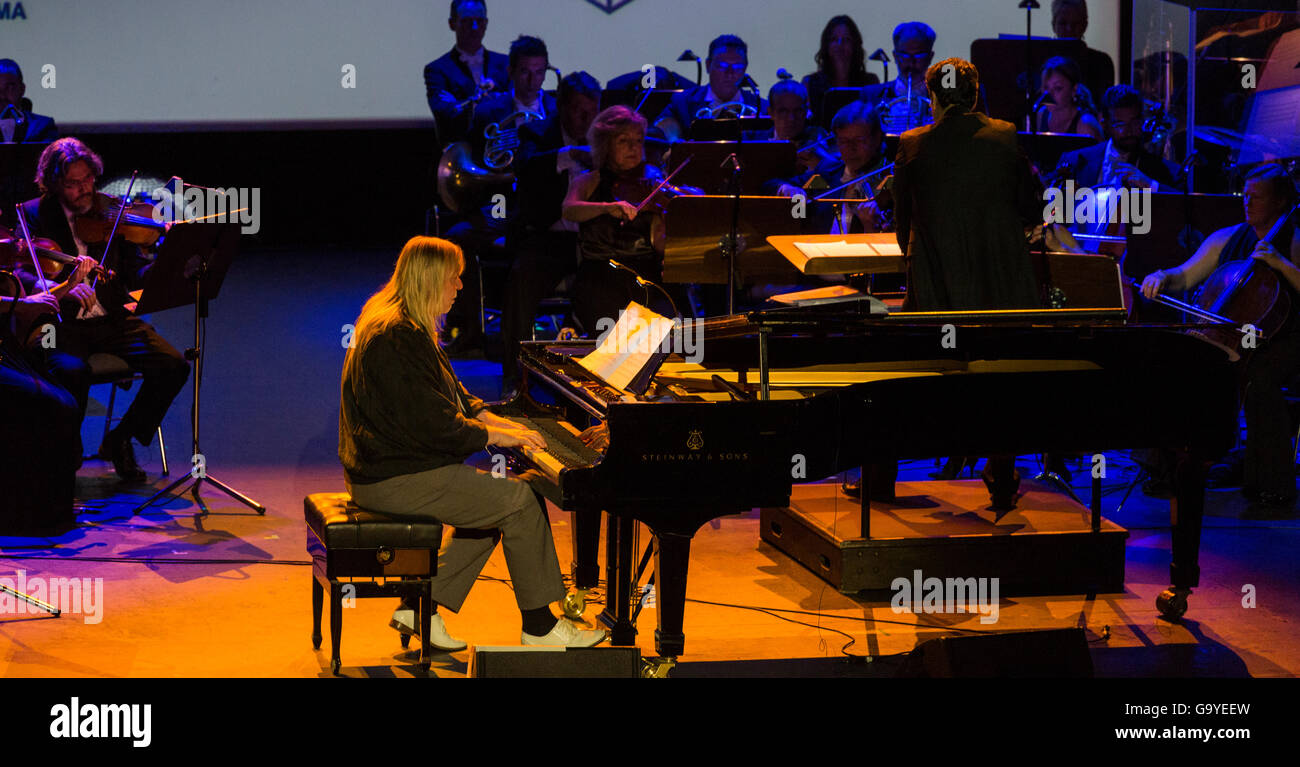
[
  {"x": 317, "y": 601},
  {"x": 336, "y": 625},
  {"x": 426, "y": 622}
]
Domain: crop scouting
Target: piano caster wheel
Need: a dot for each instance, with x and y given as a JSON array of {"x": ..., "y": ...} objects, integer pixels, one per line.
[
  {"x": 575, "y": 604},
  {"x": 657, "y": 668},
  {"x": 406, "y": 641},
  {"x": 1172, "y": 602}
]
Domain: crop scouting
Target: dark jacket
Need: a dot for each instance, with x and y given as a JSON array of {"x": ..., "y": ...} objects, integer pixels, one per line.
[
  {"x": 1084, "y": 166},
  {"x": 541, "y": 190},
  {"x": 448, "y": 81},
  {"x": 964, "y": 195},
  {"x": 46, "y": 219},
  {"x": 35, "y": 129},
  {"x": 400, "y": 415}
]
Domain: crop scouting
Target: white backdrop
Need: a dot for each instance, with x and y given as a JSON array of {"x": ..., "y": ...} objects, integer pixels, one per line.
[{"x": 126, "y": 62}]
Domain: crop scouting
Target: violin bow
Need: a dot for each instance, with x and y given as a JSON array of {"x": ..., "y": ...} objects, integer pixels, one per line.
[
  {"x": 662, "y": 184},
  {"x": 859, "y": 179},
  {"x": 116, "y": 220},
  {"x": 31, "y": 251}
]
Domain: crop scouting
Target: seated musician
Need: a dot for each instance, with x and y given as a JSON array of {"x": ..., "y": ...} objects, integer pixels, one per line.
[
  {"x": 18, "y": 124},
  {"x": 841, "y": 63},
  {"x": 1267, "y": 475},
  {"x": 406, "y": 426},
  {"x": 456, "y": 76},
  {"x": 788, "y": 101},
  {"x": 609, "y": 226},
  {"x": 1069, "y": 108},
  {"x": 1122, "y": 161},
  {"x": 1070, "y": 22},
  {"x": 858, "y": 140},
  {"x": 39, "y": 423},
  {"x": 96, "y": 319},
  {"x": 726, "y": 63},
  {"x": 485, "y": 229},
  {"x": 544, "y": 244},
  {"x": 913, "y": 52}
]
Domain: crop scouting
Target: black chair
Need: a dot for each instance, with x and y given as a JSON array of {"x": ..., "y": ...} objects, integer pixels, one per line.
[
  {"x": 380, "y": 556},
  {"x": 111, "y": 369}
]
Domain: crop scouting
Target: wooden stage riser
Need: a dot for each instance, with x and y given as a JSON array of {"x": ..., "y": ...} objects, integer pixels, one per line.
[{"x": 1048, "y": 563}]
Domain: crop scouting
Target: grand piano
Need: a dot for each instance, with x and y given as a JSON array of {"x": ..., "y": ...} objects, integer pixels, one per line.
[{"x": 827, "y": 391}]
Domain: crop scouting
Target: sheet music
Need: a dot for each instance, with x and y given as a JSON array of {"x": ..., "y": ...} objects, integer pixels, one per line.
[
  {"x": 845, "y": 249},
  {"x": 629, "y": 346}
]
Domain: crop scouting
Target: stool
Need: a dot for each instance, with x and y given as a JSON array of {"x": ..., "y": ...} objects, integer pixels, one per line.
[{"x": 346, "y": 541}]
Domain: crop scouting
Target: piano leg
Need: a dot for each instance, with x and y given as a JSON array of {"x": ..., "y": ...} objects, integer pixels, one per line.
[
  {"x": 672, "y": 557},
  {"x": 586, "y": 549},
  {"x": 1187, "y": 511},
  {"x": 618, "y": 575}
]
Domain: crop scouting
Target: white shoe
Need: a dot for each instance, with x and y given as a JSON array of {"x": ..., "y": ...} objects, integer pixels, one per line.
[
  {"x": 439, "y": 639},
  {"x": 566, "y": 635}
]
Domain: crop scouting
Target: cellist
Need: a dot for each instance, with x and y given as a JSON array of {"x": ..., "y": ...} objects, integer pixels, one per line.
[
  {"x": 96, "y": 319},
  {"x": 1267, "y": 476}
]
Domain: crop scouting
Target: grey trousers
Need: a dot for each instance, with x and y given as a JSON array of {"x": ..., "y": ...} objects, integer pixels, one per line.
[{"x": 483, "y": 509}]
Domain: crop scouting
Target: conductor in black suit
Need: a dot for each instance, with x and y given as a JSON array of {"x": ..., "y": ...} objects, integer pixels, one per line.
[
  {"x": 965, "y": 196},
  {"x": 458, "y": 74},
  {"x": 18, "y": 124}
]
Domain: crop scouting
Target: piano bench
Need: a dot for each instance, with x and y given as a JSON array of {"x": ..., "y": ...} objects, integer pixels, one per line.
[{"x": 388, "y": 556}]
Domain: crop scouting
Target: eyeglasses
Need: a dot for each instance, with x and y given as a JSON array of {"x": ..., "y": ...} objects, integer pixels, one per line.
[
  {"x": 77, "y": 183},
  {"x": 724, "y": 67},
  {"x": 922, "y": 56}
]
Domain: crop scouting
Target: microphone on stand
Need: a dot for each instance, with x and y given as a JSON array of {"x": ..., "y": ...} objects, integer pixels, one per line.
[{"x": 644, "y": 283}]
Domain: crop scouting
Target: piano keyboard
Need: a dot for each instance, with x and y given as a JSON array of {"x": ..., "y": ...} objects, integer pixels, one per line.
[{"x": 564, "y": 449}]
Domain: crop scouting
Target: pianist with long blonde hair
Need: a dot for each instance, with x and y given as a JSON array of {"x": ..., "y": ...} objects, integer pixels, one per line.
[{"x": 406, "y": 427}]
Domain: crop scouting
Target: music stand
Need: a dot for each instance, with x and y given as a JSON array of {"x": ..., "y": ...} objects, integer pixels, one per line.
[
  {"x": 650, "y": 104},
  {"x": 728, "y": 128},
  {"x": 836, "y": 99},
  {"x": 192, "y": 263},
  {"x": 762, "y": 160},
  {"x": 697, "y": 230},
  {"x": 1046, "y": 149}
]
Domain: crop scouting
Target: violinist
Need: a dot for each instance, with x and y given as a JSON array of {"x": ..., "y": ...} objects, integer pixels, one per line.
[
  {"x": 1267, "y": 475},
  {"x": 39, "y": 415},
  {"x": 604, "y": 203},
  {"x": 858, "y": 138},
  {"x": 788, "y": 101},
  {"x": 96, "y": 319},
  {"x": 544, "y": 244},
  {"x": 726, "y": 63}
]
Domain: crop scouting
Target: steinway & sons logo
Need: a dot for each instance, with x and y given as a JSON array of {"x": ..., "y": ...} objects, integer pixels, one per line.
[
  {"x": 694, "y": 452},
  {"x": 609, "y": 6}
]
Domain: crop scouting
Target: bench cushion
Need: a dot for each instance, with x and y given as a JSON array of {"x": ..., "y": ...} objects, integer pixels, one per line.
[{"x": 341, "y": 524}]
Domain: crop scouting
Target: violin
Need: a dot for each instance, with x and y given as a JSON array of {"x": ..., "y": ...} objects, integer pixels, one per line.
[
  {"x": 137, "y": 225},
  {"x": 51, "y": 259},
  {"x": 651, "y": 189}
]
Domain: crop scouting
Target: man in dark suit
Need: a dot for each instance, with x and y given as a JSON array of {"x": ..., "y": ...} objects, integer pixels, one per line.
[
  {"x": 1070, "y": 22},
  {"x": 528, "y": 63},
  {"x": 913, "y": 52},
  {"x": 727, "y": 60},
  {"x": 545, "y": 246},
  {"x": 18, "y": 124},
  {"x": 1122, "y": 161},
  {"x": 459, "y": 73},
  {"x": 95, "y": 319}
]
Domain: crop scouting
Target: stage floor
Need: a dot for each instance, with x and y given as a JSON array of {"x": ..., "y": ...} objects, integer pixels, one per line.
[{"x": 227, "y": 594}]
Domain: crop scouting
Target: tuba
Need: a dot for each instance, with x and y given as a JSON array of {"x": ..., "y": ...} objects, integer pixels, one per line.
[{"x": 463, "y": 185}]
